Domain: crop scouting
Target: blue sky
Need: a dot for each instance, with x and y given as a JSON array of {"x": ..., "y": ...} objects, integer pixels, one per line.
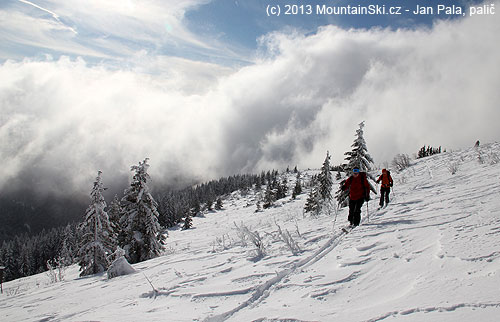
[
  {"x": 211, "y": 88},
  {"x": 243, "y": 22},
  {"x": 220, "y": 31}
]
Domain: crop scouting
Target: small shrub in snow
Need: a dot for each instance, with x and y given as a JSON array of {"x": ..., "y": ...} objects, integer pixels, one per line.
[
  {"x": 56, "y": 270},
  {"x": 494, "y": 159},
  {"x": 402, "y": 179},
  {"x": 222, "y": 243},
  {"x": 401, "y": 162},
  {"x": 254, "y": 238},
  {"x": 297, "y": 228},
  {"x": 13, "y": 291},
  {"x": 169, "y": 250},
  {"x": 480, "y": 158},
  {"x": 453, "y": 167},
  {"x": 241, "y": 235},
  {"x": 289, "y": 241}
]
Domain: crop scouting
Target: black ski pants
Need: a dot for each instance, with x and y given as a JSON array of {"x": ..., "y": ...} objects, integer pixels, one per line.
[
  {"x": 384, "y": 195},
  {"x": 355, "y": 211}
]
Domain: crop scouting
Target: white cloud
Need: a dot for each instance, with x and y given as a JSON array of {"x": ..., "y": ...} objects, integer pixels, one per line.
[
  {"x": 66, "y": 119},
  {"x": 113, "y": 29}
]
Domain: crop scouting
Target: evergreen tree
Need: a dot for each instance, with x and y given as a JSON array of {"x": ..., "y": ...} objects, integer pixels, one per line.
[
  {"x": 188, "y": 222},
  {"x": 195, "y": 210},
  {"x": 342, "y": 196},
  {"x": 115, "y": 212},
  {"x": 209, "y": 205},
  {"x": 269, "y": 197},
  {"x": 258, "y": 204},
  {"x": 359, "y": 156},
  {"x": 218, "y": 204},
  {"x": 297, "y": 190},
  {"x": 69, "y": 246},
  {"x": 281, "y": 189},
  {"x": 320, "y": 196},
  {"x": 312, "y": 202},
  {"x": 143, "y": 238},
  {"x": 325, "y": 181},
  {"x": 96, "y": 234}
]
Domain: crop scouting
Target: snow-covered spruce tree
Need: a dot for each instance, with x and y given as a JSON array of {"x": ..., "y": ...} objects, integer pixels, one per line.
[
  {"x": 188, "y": 222},
  {"x": 297, "y": 190},
  {"x": 142, "y": 236},
  {"x": 115, "y": 212},
  {"x": 281, "y": 189},
  {"x": 312, "y": 201},
  {"x": 218, "y": 204},
  {"x": 269, "y": 197},
  {"x": 325, "y": 181},
  {"x": 320, "y": 196},
  {"x": 69, "y": 247},
  {"x": 357, "y": 157},
  {"x": 97, "y": 242}
]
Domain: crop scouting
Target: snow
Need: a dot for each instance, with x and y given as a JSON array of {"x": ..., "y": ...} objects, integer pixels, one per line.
[
  {"x": 120, "y": 267},
  {"x": 431, "y": 255}
]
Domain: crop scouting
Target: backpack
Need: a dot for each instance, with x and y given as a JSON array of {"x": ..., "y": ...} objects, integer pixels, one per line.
[
  {"x": 363, "y": 178},
  {"x": 389, "y": 179}
]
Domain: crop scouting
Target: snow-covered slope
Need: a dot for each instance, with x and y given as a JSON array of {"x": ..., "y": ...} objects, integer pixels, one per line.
[{"x": 432, "y": 255}]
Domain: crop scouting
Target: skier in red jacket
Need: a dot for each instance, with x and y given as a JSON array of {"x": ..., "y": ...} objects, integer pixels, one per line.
[
  {"x": 387, "y": 183},
  {"x": 359, "y": 191}
]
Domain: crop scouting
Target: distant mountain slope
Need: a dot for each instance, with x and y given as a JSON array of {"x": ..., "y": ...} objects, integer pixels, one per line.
[{"x": 432, "y": 255}]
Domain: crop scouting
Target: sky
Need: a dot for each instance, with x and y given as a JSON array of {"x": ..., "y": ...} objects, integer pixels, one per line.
[{"x": 213, "y": 88}]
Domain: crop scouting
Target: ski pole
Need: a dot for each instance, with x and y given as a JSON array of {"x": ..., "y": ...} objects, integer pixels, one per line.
[
  {"x": 336, "y": 213},
  {"x": 367, "y": 212}
]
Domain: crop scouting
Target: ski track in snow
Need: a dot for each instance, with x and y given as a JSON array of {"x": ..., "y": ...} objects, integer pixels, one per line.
[
  {"x": 434, "y": 309},
  {"x": 431, "y": 255}
]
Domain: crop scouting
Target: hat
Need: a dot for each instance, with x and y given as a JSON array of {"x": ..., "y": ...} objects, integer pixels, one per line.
[{"x": 355, "y": 170}]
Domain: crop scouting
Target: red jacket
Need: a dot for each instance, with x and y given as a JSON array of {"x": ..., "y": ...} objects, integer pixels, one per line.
[
  {"x": 359, "y": 188},
  {"x": 386, "y": 179}
]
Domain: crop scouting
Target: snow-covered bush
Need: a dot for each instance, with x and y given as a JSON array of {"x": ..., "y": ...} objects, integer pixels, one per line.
[
  {"x": 494, "y": 159},
  {"x": 254, "y": 238},
  {"x": 289, "y": 241},
  {"x": 480, "y": 158},
  {"x": 297, "y": 227},
  {"x": 222, "y": 243},
  {"x": 401, "y": 162},
  {"x": 56, "y": 270},
  {"x": 453, "y": 167},
  {"x": 13, "y": 291}
]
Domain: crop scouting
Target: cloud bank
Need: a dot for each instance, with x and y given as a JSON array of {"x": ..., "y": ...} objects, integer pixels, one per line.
[{"x": 62, "y": 120}]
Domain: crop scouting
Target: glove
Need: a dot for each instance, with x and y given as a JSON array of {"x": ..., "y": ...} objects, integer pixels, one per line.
[
  {"x": 390, "y": 184},
  {"x": 367, "y": 198}
]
